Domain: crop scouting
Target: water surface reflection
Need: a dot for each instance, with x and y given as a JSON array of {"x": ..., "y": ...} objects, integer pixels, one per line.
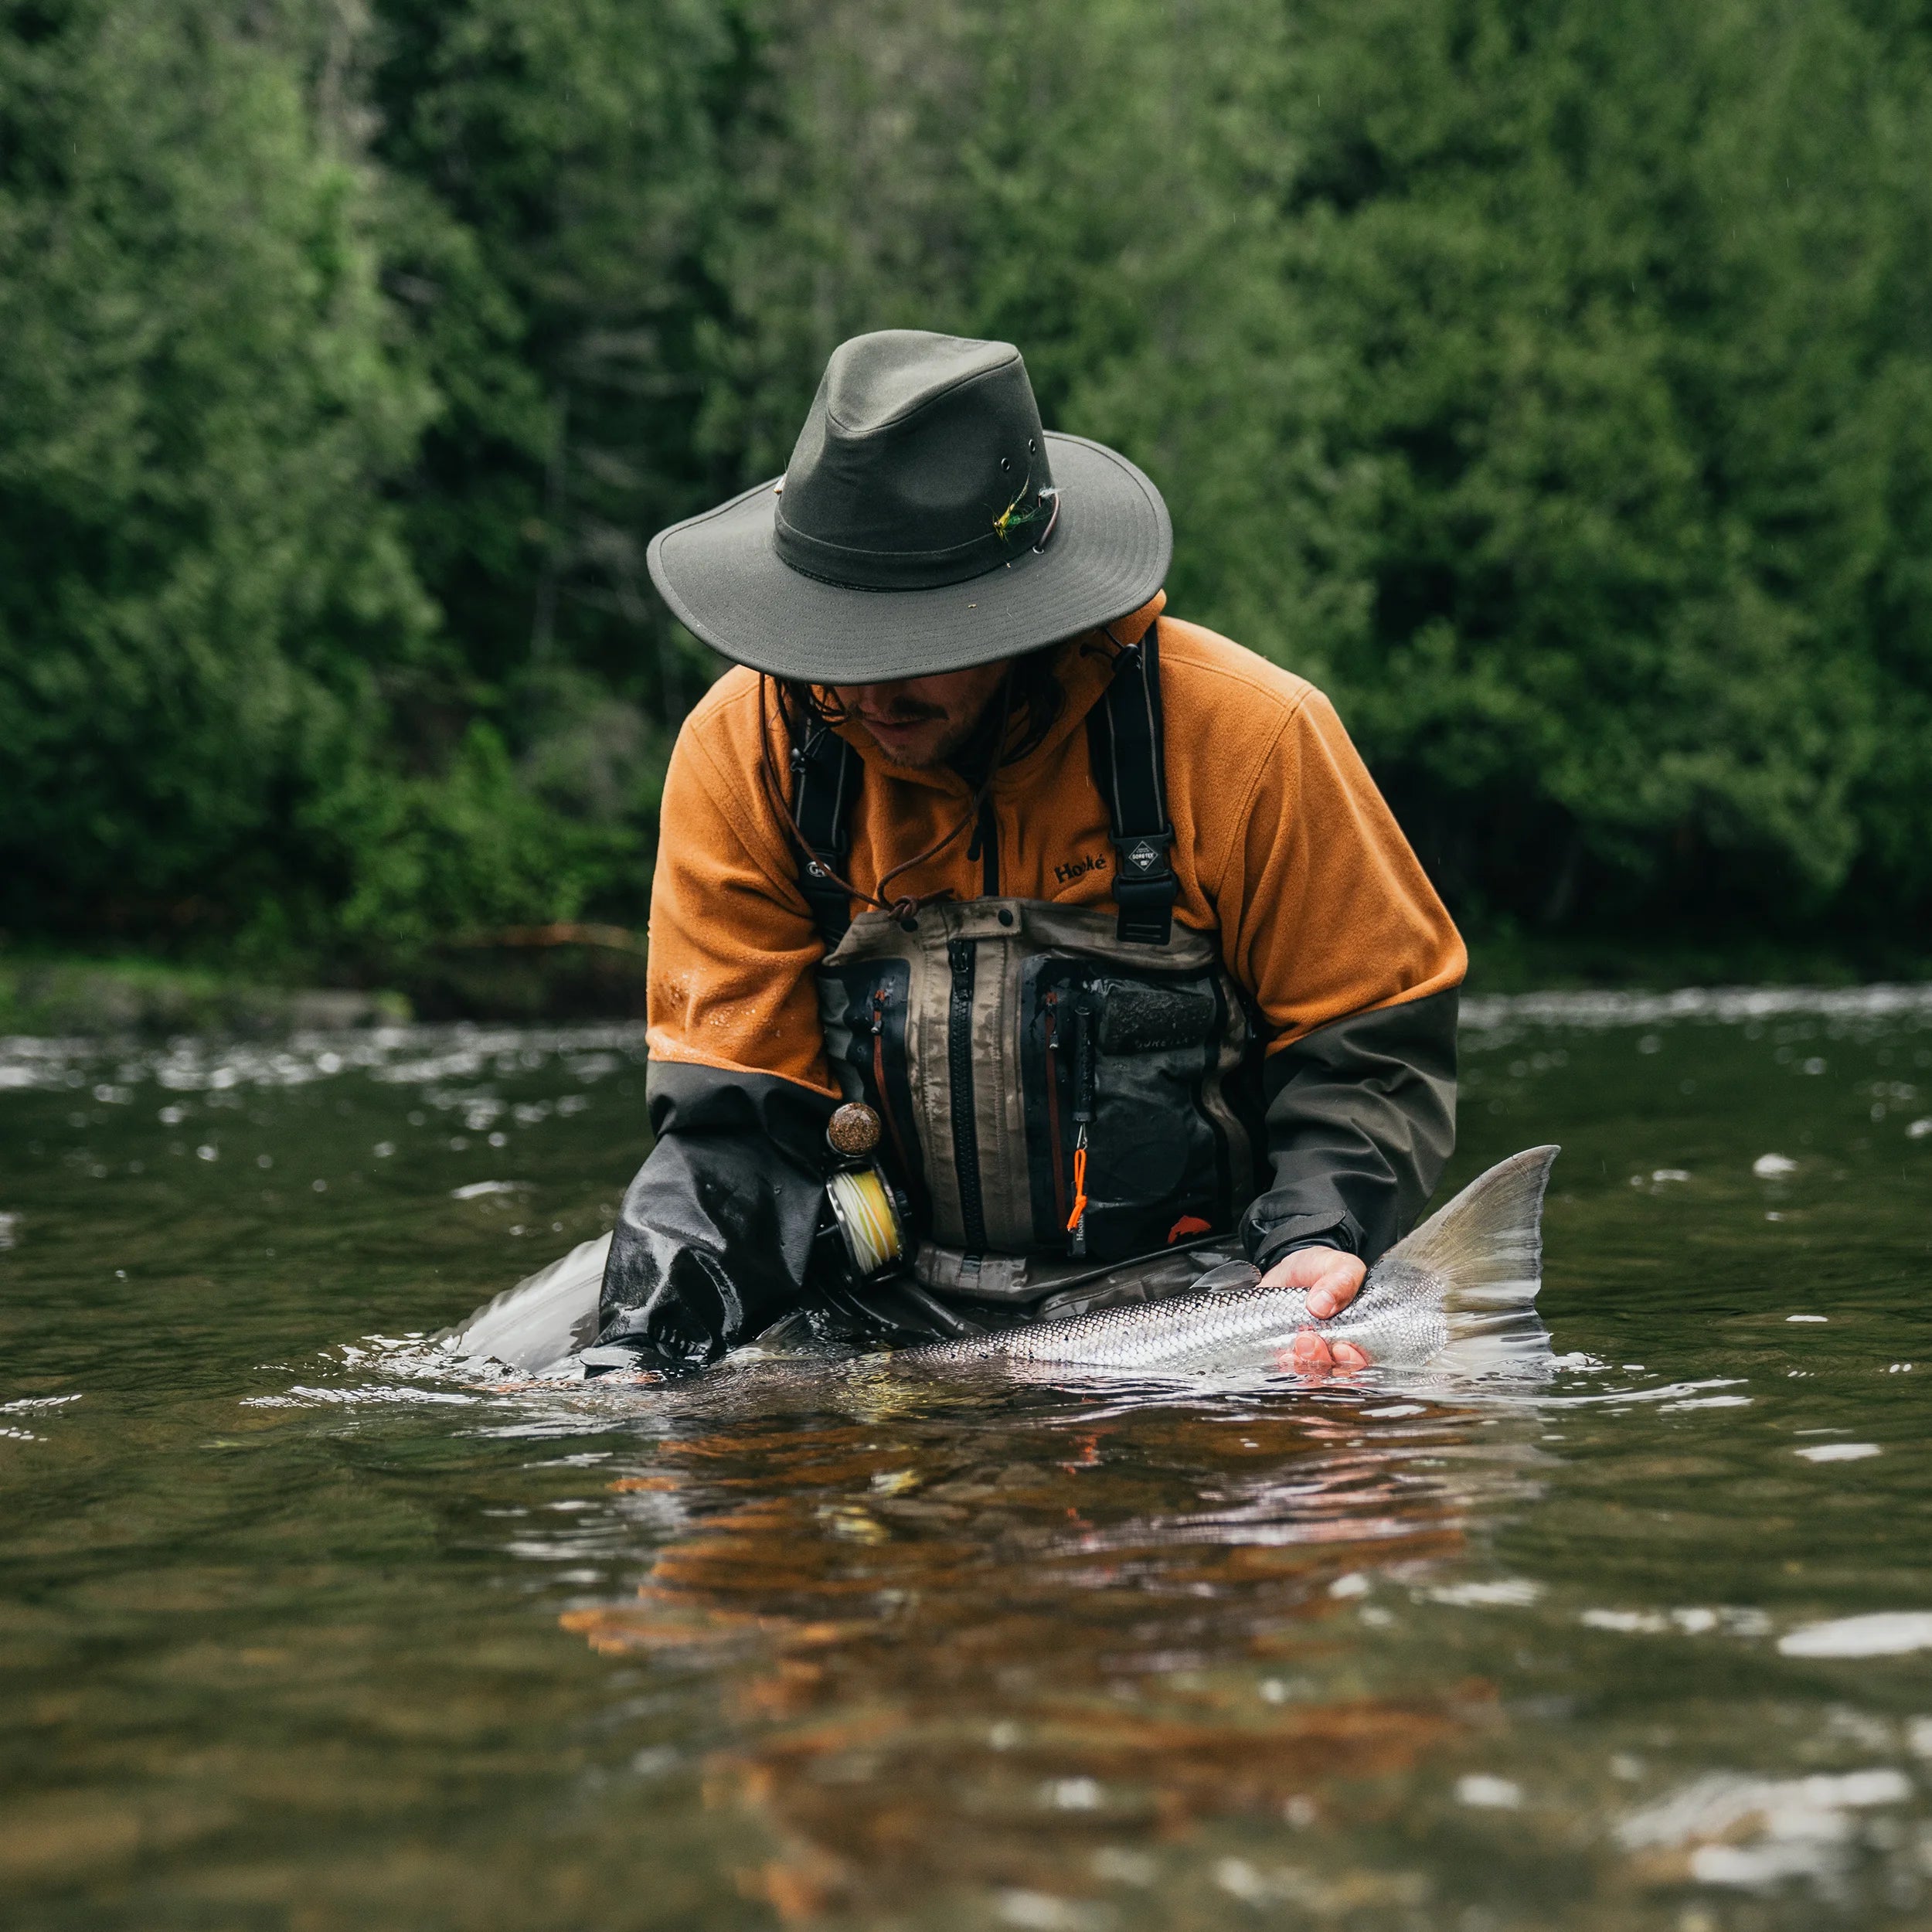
[
  {"x": 304, "y": 1635},
  {"x": 1034, "y": 1652}
]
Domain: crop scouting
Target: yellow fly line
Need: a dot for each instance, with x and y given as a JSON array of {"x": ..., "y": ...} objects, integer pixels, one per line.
[{"x": 871, "y": 1225}]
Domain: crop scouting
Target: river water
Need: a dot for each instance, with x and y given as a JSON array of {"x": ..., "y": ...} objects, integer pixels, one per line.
[{"x": 298, "y": 1631}]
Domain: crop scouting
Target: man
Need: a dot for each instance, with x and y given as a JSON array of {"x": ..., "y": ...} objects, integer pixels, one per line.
[{"x": 1101, "y": 913}]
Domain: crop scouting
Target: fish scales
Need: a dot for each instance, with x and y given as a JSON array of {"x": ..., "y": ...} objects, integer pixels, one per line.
[{"x": 1393, "y": 1322}]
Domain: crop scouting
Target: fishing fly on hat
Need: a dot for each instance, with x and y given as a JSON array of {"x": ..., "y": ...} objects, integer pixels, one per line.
[{"x": 927, "y": 522}]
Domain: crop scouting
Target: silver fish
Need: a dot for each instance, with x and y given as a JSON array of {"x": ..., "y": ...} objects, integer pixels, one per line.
[{"x": 1458, "y": 1293}]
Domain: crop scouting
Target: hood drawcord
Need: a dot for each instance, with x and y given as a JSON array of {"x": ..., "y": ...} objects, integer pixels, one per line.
[{"x": 906, "y": 908}]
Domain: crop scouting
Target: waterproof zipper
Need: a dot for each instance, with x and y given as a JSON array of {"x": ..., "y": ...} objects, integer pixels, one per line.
[
  {"x": 881, "y": 1000},
  {"x": 1053, "y": 1107},
  {"x": 1083, "y": 1091},
  {"x": 959, "y": 1055}
]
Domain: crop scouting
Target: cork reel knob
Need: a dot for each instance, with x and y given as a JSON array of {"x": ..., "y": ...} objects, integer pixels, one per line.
[{"x": 853, "y": 1131}]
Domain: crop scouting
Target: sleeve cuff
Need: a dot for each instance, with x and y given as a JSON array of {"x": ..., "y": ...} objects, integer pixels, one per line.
[{"x": 1269, "y": 1245}]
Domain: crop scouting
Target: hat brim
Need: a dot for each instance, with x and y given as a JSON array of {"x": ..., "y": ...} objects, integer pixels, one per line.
[{"x": 1108, "y": 555}]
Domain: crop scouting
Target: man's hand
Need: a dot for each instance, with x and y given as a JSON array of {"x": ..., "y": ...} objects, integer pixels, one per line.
[
  {"x": 1333, "y": 1280},
  {"x": 1331, "y": 1277}
]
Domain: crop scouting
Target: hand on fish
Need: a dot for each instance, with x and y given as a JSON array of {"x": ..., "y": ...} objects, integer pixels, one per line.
[{"x": 1332, "y": 1279}]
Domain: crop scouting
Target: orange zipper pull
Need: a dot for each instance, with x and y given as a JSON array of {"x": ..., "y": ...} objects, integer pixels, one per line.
[{"x": 1074, "y": 1227}]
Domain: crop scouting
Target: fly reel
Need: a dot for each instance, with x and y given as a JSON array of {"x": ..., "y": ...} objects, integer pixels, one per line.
[{"x": 868, "y": 1212}]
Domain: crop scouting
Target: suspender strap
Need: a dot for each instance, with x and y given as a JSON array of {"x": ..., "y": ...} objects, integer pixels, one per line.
[
  {"x": 1125, "y": 742},
  {"x": 826, "y": 773}
]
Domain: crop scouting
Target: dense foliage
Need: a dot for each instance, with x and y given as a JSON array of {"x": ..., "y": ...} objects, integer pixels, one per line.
[{"x": 1551, "y": 382}]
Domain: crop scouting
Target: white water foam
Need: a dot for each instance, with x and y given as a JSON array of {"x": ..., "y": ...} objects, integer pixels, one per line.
[
  {"x": 430, "y": 1057},
  {"x": 1885, "y": 1633},
  {"x": 1804, "y": 1827},
  {"x": 1729, "y": 1005}
]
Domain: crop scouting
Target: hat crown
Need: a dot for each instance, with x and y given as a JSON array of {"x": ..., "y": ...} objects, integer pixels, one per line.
[
  {"x": 922, "y": 463},
  {"x": 874, "y": 381}
]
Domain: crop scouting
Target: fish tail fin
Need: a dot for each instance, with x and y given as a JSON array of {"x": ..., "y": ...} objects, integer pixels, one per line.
[{"x": 1485, "y": 1249}]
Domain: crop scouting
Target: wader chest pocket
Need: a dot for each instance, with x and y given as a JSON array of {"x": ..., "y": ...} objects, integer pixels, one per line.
[{"x": 1135, "y": 1066}]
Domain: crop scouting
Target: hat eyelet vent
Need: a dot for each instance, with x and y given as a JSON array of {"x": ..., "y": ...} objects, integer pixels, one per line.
[{"x": 1006, "y": 462}]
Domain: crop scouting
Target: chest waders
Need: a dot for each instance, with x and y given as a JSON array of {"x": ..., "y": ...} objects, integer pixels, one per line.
[{"x": 1069, "y": 1096}]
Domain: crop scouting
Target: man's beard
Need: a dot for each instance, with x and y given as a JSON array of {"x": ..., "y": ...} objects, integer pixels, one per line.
[{"x": 953, "y": 734}]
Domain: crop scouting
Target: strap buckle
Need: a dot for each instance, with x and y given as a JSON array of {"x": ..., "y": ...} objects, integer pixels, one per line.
[
  {"x": 1143, "y": 857},
  {"x": 1145, "y": 889}
]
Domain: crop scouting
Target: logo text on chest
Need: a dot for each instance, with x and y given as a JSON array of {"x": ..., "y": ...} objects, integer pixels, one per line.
[{"x": 1078, "y": 868}]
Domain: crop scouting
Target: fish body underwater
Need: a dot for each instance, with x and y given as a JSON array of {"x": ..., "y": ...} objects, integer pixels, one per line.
[{"x": 1457, "y": 1295}]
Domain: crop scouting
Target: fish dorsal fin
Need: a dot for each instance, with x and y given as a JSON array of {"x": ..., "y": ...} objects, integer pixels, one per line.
[{"x": 1485, "y": 1247}]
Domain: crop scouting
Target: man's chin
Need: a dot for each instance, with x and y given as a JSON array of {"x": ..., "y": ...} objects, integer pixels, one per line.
[{"x": 920, "y": 753}]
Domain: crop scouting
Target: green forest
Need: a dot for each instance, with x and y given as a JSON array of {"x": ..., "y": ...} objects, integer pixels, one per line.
[{"x": 1551, "y": 382}]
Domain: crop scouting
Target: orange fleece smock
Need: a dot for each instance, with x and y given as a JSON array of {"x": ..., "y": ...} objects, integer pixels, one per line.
[
  {"x": 1282, "y": 849},
  {"x": 1282, "y": 845}
]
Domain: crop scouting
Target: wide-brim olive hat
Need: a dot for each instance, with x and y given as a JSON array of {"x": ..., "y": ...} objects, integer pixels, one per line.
[{"x": 926, "y": 523}]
